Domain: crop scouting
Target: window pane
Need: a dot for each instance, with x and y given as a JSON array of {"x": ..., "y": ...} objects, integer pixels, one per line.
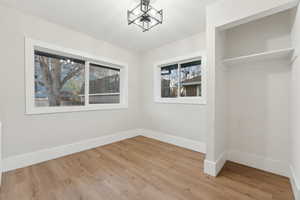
[
  {"x": 169, "y": 81},
  {"x": 59, "y": 80},
  {"x": 190, "y": 75},
  {"x": 104, "y": 85}
]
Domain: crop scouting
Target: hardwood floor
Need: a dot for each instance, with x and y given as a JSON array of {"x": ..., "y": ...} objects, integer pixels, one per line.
[{"x": 139, "y": 169}]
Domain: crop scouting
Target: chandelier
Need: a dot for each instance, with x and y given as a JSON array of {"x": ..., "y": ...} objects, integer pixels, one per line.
[{"x": 145, "y": 16}]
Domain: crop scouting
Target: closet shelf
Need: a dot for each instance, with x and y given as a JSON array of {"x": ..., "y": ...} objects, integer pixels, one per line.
[{"x": 275, "y": 54}]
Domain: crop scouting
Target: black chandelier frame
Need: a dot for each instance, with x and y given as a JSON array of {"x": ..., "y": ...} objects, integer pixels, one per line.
[{"x": 145, "y": 16}]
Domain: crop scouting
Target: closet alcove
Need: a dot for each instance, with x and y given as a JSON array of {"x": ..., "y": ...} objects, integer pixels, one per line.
[{"x": 255, "y": 58}]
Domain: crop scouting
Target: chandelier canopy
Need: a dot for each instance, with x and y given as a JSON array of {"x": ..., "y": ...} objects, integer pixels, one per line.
[{"x": 145, "y": 16}]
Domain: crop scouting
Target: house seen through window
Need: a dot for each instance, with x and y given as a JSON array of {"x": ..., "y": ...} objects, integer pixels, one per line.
[{"x": 181, "y": 80}]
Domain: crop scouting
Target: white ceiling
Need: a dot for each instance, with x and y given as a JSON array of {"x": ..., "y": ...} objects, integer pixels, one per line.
[{"x": 107, "y": 19}]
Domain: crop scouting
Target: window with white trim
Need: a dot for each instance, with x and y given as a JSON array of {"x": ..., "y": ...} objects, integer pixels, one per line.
[
  {"x": 64, "y": 80},
  {"x": 104, "y": 86},
  {"x": 182, "y": 80}
]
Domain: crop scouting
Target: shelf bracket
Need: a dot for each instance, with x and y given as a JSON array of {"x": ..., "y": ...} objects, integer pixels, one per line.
[{"x": 294, "y": 58}]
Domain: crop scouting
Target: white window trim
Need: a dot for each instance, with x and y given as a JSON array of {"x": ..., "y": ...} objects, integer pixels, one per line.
[
  {"x": 31, "y": 45},
  {"x": 181, "y": 100}
]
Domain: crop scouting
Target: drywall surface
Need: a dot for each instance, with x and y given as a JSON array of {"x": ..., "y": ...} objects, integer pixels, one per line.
[
  {"x": 221, "y": 16},
  {"x": 269, "y": 33},
  {"x": 227, "y": 13},
  {"x": 183, "y": 120},
  {"x": 217, "y": 100},
  {"x": 258, "y": 109},
  {"x": 221, "y": 100},
  {"x": 23, "y": 133},
  {"x": 295, "y": 104},
  {"x": 258, "y": 93},
  {"x": 211, "y": 64}
]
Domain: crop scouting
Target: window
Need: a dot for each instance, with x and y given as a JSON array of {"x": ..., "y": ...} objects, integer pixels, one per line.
[
  {"x": 63, "y": 80},
  {"x": 190, "y": 79},
  {"x": 58, "y": 80},
  {"x": 104, "y": 85},
  {"x": 169, "y": 81},
  {"x": 181, "y": 80}
]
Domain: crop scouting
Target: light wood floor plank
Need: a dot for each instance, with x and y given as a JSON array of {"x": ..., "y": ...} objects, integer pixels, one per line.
[{"x": 140, "y": 169}]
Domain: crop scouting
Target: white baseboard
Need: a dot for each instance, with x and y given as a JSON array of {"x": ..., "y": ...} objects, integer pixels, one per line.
[
  {"x": 214, "y": 168},
  {"x": 259, "y": 162},
  {"x": 295, "y": 182},
  {"x": 28, "y": 159},
  {"x": 175, "y": 140}
]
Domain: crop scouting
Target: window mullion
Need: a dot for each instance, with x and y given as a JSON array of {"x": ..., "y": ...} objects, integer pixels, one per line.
[
  {"x": 121, "y": 85},
  {"x": 87, "y": 83}
]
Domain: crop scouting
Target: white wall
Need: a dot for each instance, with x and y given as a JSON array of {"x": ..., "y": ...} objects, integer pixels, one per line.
[
  {"x": 23, "y": 133},
  {"x": 188, "y": 121},
  {"x": 221, "y": 98},
  {"x": 295, "y": 105},
  {"x": 259, "y": 92},
  {"x": 29, "y": 133},
  {"x": 217, "y": 101},
  {"x": 228, "y": 13},
  {"x": 221, "y": 16},
  {"x": 258, "y": 112},
  {"x": 269, "y": 33}
]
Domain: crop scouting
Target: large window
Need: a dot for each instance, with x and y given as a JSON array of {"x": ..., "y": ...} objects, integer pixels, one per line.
[
  {"x": 181, "y": 81},
  {"x": 62, "y": 80}
]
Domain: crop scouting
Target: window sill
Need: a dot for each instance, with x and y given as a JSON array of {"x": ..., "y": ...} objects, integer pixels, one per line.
[
  {"x": 182, "y": 100},
  {"x": 53, "y": 110}
]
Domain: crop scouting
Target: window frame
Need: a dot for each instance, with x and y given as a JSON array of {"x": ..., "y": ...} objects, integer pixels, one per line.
[
  {"x": 32, "y": 45},
  {"x": 179, "y": 99}
]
